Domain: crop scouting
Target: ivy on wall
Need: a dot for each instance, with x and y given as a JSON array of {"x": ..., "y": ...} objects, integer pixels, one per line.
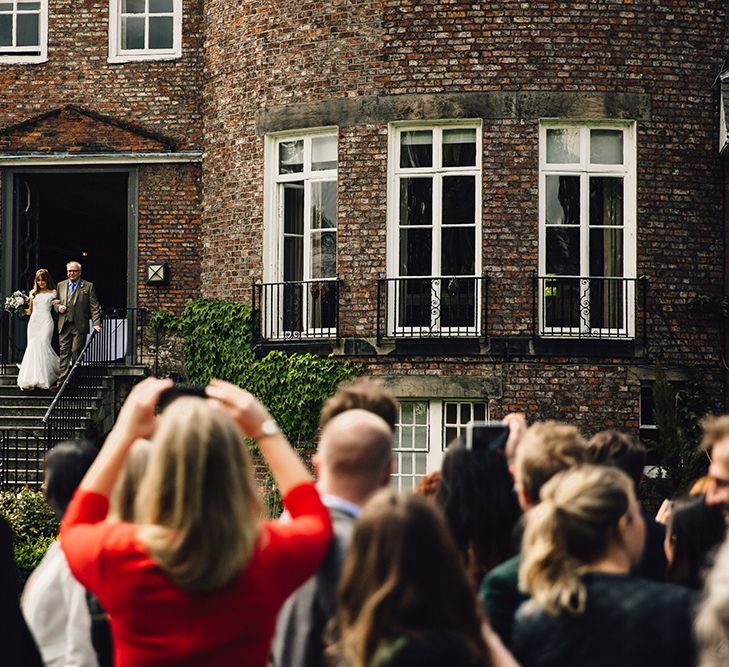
[{"x": 218, "y": 340}]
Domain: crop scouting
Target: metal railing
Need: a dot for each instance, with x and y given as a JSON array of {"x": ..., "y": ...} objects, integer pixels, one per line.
[
  {"x": 21, "y": 459},
  {"x": 119, "y": 342},
  {"x": 586, "y": 307},
  {"x": 304, "y": 310},
  {"x": 432, "y": 307}
]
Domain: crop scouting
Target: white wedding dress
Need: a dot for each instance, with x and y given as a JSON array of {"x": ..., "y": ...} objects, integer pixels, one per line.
[{"x": 41, "y": 365}]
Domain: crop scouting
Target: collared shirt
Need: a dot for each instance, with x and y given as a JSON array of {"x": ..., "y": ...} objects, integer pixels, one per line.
[{"x": 347, "y": 506}]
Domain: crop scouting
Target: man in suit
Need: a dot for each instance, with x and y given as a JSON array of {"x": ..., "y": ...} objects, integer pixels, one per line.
[
  {"x": 353, "y": 461},
  {"x": 77, "y": 305}
]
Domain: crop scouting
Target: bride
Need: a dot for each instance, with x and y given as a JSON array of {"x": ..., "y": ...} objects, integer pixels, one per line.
[{"x": 41, "y": 365}]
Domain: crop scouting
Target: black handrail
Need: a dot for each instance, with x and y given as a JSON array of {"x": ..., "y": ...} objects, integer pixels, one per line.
[
  {"x": 296, "y": 311},
  {"x": 588, "y": 307},
  {"x": 432, "y": 307},
  {"x": 21, "y": 459}
]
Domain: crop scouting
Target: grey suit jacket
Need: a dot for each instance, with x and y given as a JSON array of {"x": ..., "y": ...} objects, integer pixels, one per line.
[
  {"x": 298, "y": 639},
  {"x": 81, "y": 307}
]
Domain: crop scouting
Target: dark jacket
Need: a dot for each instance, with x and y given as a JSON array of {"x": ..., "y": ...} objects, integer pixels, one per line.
[
  {"x": 501, "y": 597},
  {"x": 301, "y": 622},
  {"x": 627, "y": 622}
]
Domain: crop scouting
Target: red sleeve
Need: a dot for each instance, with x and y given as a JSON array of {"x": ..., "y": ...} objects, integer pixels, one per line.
[
  {"x": 304, "y": 540},
  {"x": 82, "y": 536}
]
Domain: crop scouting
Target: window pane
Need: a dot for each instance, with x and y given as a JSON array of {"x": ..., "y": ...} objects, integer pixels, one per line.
[
  {"x": 293, "y": 258},
  {"x": 161, "y": 6},
  {"x": 458, "y": 251},
  {"x": 562, "y": 200},
  {"x": 451, "y": 413},
  {"x": 562, "y": 302},
  {"x": 606, "y": 146},
  {"x": 406, "y": 413},
  {"x": 457, "y": 302},
  {"x": 459, "y": 200},
  {"x": 323, "y": 255},
  {"x": 6, "y": 6},
  {"x": 6, "y": 30},
  {"x": 132, "y": 33},
  {"x": 563, "y": 251},
  {"x": 416, "y": 201},
  {"x": 415, "y": 252},
  {"x": 420, "y": 440},
  {"x": 291, "y": 157},
  {"x": 323, "y": 153},
  {"x": 606, "y": 201},
  {"x": 416, "y": 149},
  {"x": 27, "y": 26},
  {"x": 563, "y": 146},
  {"x": 323, "y": 204},
  {"x": 479, "y": 412},
  {"x": 606, "y": 252},
  {"x": 293, "y": 208},
  {"x": 607, "y": 305},
  {"x": 421, "y": 413},
  {"x": 132, "y": 6},
  {"x": 160, "y": 32},
  {"x": 459, "y": 148},
  {"x": 28, "y": 6}
]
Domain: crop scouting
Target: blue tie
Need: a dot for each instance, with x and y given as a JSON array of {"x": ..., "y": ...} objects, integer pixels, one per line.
[{"x": 72, "y": 287}]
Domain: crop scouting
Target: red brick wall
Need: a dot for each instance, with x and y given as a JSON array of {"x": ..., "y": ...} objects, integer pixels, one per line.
[
  {"x": 169, "y": 230},
  {"x": 290, "y": 53},
  {"x": 162, "y": 96}
]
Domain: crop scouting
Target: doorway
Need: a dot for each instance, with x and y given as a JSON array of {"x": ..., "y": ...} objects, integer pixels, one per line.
[{"x": 61, "y": 215}]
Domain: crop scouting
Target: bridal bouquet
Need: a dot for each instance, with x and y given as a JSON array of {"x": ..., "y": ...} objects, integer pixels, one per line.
[{"x": 17, "y": 302}]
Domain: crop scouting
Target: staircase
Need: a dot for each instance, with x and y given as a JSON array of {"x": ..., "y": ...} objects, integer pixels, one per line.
[{"x": 22, "y": 431}]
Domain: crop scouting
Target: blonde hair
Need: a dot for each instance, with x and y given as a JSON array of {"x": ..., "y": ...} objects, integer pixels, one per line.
[
  {"x": 546, "y": 449},
  {"x": 570, "y": 529},
  {"x": 127, "y": 486},
  {"x": 712, "y": 621},
  {"x": 197, "y": 504}
]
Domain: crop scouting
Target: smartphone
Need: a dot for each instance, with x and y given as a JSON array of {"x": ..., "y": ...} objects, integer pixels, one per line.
[
  {"x": 176, "y": 391},
  {"x": 486, "y": 435}
]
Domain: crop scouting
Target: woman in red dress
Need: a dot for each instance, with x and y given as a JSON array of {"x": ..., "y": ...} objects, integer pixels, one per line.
[{"x": 198, "y": 578}]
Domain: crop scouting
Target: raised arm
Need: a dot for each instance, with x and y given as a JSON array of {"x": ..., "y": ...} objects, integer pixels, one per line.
[
  {"x": 136, "y": 420},
  {"x": 255, "y": 422}
]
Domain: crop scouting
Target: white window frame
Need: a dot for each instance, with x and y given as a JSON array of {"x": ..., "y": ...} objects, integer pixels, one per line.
[
  {"x": 18, "y": 54},
  {"x": 119, "y": 55},
  {"x": 436, "y": 445},
  {"x": 584, "y": 169},
  {"x": 395, "y": 172},
  {"x": 273, "y": 234}
]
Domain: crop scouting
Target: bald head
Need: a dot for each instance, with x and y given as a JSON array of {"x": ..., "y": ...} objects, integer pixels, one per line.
[{"x": 354, "y": 455}]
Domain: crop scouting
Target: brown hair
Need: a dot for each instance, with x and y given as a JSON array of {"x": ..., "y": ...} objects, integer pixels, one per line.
[
  {"x": 45, "y": 275},
  {"x": 403, "y": 577},
  {"x": 546, "y": 449},
  {"x": 613, "y": 447},
  {"x": 715, "y": 429},
  {"x": 197, "y": 502},
  {"x": 364, "y": 394}
]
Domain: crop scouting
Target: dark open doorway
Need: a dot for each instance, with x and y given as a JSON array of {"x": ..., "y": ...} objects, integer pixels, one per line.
[{"x": 79, "y": 216}]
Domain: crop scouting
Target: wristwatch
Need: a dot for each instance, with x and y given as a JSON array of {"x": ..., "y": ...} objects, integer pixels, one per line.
[{"x": 268, "y": 428}]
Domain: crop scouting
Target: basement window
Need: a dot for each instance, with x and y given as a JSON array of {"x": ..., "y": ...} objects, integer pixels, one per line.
[
  {"x": 145, "y": 30},
  {"x": 23, "y": 31}
]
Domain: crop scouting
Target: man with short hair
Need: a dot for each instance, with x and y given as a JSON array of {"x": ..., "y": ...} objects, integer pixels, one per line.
[
  {"x": 77, "y": 305},
  {"x": 353, "y": 460},
  {"x": 545, "y": 449},
  {"x": 716, "y": 444}
]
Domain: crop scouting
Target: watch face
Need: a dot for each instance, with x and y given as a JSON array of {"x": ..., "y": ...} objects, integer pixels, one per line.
[{"x": 269, "y": 427}]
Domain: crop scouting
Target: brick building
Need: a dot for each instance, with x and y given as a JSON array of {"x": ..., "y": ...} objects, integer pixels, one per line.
[{"x": 494, "y": 206}]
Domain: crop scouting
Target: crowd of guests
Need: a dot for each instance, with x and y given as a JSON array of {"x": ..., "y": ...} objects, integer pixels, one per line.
[{"x": 534, "y": 553}]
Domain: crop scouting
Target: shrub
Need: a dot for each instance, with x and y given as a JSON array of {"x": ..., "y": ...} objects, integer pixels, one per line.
[{"x": 34, "y": 527}]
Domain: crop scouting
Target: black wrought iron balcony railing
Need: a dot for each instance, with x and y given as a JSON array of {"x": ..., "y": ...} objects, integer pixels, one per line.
[
  {"x": 432, "y": 307},
  {"x": 296, "y": 311},
  {"x": 586, "y": 307}
]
